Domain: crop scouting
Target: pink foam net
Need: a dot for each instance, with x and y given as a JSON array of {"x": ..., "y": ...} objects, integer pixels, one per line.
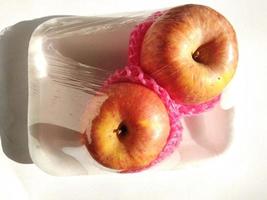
[{"x": 133, "y": 73}]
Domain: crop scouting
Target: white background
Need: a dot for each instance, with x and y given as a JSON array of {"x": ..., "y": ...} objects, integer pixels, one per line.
[{"x": 240, "y": 173}]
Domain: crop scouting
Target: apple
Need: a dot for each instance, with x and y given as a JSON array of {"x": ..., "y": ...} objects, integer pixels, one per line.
[
  {"x": 130, "y": 129},
  {"x": 192, "y": 52}
]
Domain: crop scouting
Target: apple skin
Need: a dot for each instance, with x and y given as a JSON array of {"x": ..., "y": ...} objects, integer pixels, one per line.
[
  {"x": 131, "y": 128},
  {"x": 192, "y": 52}
]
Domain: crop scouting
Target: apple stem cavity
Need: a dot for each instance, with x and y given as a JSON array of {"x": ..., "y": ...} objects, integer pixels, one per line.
[{"x": 122, "y": 130}]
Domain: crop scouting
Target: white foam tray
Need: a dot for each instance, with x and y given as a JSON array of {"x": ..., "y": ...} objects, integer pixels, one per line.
[{"x": 238, "y": 173}]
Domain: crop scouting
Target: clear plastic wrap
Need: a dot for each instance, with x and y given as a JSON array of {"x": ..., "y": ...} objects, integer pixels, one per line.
[{"x": 73, "y": 61}]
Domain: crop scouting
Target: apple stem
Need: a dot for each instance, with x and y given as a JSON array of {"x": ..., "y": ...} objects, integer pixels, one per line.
[{"x": 196, "y": 55}]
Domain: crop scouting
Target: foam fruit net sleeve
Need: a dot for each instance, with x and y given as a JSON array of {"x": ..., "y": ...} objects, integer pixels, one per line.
[{"x": 133, "y": 73}]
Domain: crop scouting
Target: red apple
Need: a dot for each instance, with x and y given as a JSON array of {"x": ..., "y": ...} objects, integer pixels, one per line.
[
  {"x": 192, "y": 52},
  {"x": 131, "y": 128}
]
